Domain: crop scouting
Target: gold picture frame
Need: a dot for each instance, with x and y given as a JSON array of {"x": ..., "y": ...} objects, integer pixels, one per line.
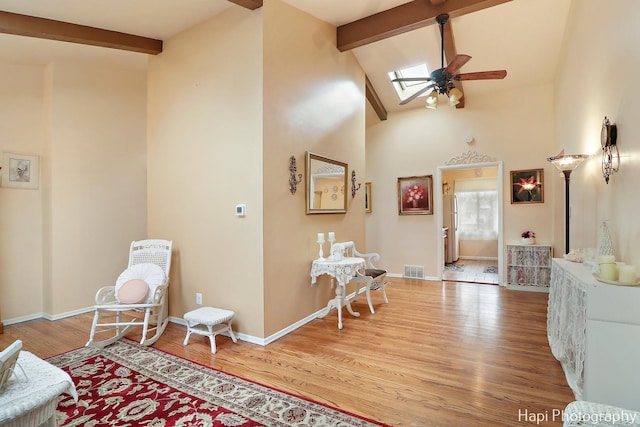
[
  {"x": 415, "y": 195},
  {"x": 367, "y": 197}
]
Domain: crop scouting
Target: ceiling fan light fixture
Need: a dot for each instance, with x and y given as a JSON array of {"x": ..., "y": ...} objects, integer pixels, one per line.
[
  {"x": 454, "y": 96},
  {"x": 432, "y": 101}
]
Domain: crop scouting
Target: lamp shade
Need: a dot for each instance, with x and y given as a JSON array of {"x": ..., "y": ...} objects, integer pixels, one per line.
[
  {"x": 454, "y": 96},
  {"x": 432, "y": 100},
  {"x": 567, "y": 163}
]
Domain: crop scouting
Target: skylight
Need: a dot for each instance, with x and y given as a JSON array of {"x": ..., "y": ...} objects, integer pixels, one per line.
[{"x": 406, "y": 89}]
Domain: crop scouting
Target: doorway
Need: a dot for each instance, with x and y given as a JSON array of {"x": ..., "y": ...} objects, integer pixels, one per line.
[{"x": 468, "y": 201}]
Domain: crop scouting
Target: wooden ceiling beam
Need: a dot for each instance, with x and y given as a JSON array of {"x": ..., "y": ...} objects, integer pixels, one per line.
[
  {"x": 374, "y": 100},
  {"x": 401, "y": 19},
  {"x": 31, "y": 26},
  {"x": 450, "y": 52},
  {"x": 249, "y": 4}
]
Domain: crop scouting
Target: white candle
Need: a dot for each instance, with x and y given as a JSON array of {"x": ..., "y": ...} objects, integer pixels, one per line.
[
  {"x": 320, "y": 237},
  {"x": 609, "y": 271},
  {"x": 607, "y": 259},
  {"x": 332, "y": 236},
  {"x": 627, "y": 274}
]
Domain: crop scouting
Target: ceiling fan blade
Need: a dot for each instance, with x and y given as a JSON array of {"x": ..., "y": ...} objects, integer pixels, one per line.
[
  {"x": 412, "y": 79},
  {"x": 455, "y": 64},
  {"x": 482, "y": 75},
  {"x": 417, "y": 94}
]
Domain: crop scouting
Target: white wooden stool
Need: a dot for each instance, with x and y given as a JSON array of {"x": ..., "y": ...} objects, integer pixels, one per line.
[{"x": 209, "y": 321}]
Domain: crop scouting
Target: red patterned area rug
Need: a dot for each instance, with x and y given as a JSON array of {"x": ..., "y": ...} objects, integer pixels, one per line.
[{"x": 127, "y": 385}]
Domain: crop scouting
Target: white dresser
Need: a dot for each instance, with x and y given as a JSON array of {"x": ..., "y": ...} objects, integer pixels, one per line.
[
  {"x": 594, "y": 331},
  {"x": 529, "y": 267}
]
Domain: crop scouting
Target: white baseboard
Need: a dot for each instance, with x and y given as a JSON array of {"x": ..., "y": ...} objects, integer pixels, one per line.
[
  {"x": 478, "y": 258},
  {"x": 528, "y": 288}
]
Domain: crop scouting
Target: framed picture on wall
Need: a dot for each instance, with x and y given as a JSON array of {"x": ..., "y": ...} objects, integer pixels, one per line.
[
  {"x": 527, "y": 186},
  {"x": 20, "y": 171},
  {"x": 367, "y": 197},
  {"x": 415, "y": 195}
]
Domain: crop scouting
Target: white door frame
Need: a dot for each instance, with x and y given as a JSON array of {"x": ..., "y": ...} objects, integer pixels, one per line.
[{"x": 438, "y": 208}]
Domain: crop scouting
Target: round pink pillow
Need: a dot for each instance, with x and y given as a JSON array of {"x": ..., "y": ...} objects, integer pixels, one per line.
[{"x": 134, "y": 291}]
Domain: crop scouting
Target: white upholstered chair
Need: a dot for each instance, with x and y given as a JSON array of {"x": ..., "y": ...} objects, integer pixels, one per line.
[
  {"x": 138, "y": 298},
  {"x": 372, "y": 277}
]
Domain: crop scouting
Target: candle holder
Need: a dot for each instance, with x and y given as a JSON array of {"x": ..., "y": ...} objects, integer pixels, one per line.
[
  {"x": 331, "y": 239},
  {"x": 320, "y": 253}
]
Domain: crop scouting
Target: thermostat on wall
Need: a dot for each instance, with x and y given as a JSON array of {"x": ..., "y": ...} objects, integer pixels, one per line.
[{"x": 241, "y": 210}]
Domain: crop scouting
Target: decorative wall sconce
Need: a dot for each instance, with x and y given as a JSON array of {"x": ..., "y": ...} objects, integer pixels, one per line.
[
  {"x": 293, "y": 182},
  {"x": 610, "y": 153},
  {"x": 354, "y": 189}
]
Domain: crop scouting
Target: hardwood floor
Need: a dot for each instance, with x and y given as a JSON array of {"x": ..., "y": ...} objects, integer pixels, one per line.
[{"x": 439, "y": 354}]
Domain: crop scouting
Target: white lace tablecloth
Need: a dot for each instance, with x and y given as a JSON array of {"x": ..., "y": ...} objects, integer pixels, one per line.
[
  {"x": 34, "y": 383},
  {"x": 342, "y": 270},
  {"x": 567, "y": 319}
]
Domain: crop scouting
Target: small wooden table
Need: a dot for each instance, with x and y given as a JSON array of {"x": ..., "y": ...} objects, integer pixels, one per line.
[{"x": 342, "y": 271}]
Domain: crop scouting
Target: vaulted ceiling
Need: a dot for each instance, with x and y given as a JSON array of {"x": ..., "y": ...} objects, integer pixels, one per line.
[{"x": 522, "y": 36}]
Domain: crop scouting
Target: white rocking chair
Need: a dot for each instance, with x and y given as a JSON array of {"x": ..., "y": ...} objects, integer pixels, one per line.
[
  {"x": 372, "y": 277},
  {"x": 149, "y": 263}
]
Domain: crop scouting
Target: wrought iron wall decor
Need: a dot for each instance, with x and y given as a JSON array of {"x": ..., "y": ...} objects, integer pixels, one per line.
[
  {"x": 610, "y": 153},
  {"x": 293, "y": 181},
  {"x": 354, "y": 188}
]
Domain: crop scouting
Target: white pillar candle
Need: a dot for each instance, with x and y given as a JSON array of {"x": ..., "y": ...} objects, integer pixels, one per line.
[
  {"x": 320, "y": 237},
  {"x": 332, "y": 236},
  {"x": 627, "y": 274},
  {"x": 609, "y": 271},
  {"x": 607, "y": 259}
]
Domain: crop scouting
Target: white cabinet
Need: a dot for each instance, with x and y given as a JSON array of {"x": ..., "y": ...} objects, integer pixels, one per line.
[
  {"x": 593, "y": 330},
  {"x": 529, "y": 267}
]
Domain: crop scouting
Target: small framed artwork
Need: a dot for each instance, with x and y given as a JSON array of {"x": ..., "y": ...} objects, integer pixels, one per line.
[
  {"x": 367, "y": 197},
  {"x": 527, "y": 186},
  {"x": 415, "y": 195},
  {"x": 20, "y": 171}
]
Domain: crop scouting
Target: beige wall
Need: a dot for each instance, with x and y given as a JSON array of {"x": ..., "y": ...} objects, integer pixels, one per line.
[
  {"x": 313, "y": 101},
  {"x": 71, "y": 235},
  {"x": 205, "y": 157},
  {"x": 598, "y": 78},
  {"x": 23, "y": 131},
  {"x": 504, "y": 126}
]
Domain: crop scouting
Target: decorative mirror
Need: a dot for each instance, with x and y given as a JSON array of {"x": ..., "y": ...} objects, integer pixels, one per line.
[{"x": 326, "y": 185}]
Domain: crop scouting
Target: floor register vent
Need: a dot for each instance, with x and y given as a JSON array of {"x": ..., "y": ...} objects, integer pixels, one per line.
[{"x": 414, "y": 271}]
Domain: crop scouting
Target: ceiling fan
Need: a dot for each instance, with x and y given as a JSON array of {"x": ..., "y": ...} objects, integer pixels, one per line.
[{"x": 441, "y": 81}]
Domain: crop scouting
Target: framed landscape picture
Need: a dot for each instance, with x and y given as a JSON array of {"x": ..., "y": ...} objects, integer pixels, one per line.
[
  {"x": 527, "y": 186},
  {"x": 415, "y": 195}
]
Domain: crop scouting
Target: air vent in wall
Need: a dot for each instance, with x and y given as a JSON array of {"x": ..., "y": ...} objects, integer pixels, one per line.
[{"x": 414, "y": 271}]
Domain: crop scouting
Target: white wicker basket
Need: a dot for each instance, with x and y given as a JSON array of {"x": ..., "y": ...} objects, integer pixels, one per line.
[{"x": 582, "y": 413}]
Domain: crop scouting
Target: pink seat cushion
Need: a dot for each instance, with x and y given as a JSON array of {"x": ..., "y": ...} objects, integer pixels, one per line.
[{"x": 134, "y": 291}]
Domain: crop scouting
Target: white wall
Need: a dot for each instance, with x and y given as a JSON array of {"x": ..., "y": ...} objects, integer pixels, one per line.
[
  {"x": 598, "y": 78},
  {"x": 515, "y": 128}
]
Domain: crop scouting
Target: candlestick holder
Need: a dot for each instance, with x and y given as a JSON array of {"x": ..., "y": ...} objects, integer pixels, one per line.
[
  {"x": 320, "y": 254},
  {"x": 331, "y": 239}
]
